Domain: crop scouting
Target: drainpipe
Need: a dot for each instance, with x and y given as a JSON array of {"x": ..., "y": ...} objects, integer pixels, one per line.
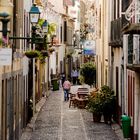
[
  {"x": 34, "y": 94},
  {"x": 102, "y": 46}
]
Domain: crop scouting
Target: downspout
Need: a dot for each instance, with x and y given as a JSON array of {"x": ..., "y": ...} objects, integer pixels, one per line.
[{"x": 102, "y": 39}]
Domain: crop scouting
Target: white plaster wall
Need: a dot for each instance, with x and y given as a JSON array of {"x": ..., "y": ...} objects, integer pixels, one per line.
[
  {"x": 58, "y": 5},
  {"x": 53, "y": 62},
  {"x": 0, "y": 103},
  {"x": 61, "y": 55},
  {"x": 98, "y": 62},
  {"x": 125, "y": 44},
  {"x": 137, "y": 89},
  {"x": 98, "y": 44},
  {"x": 27, "y": 5},
  {"x": 137, "y": 104},
  {"x": 138, "y": 117},
  {"x": 6, "y": 6},
  {"x": 118, "y": 53},
  {"x": 77, "y": 23}
]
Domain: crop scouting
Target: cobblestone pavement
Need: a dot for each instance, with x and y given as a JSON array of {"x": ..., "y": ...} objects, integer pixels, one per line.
[{"x": 56, "y": 121}]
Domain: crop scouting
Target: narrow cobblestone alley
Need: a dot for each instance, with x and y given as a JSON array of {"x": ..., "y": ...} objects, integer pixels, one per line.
[{"x": 56, "y": 121}]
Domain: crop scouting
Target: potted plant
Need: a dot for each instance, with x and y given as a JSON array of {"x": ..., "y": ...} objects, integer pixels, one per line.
[
  {"x": 95, "y": 106},
  {"x": 51, "y": 49},
  {"x": 69, "y": 55},
  {"x": 88, "y": 71},
  {"x": 108, "y": 99},
  {"x": 0, "y": 41},
  {"x": 32, "y": 53},
  {"x": 44, "y": 53}
]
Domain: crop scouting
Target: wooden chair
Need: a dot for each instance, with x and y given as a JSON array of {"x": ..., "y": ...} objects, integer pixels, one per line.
[
  {"x": 80, "y": 103},
  {"x": 72, "y": 101}
]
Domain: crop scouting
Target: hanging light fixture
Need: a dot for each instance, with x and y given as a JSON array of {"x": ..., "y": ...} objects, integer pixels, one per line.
[
  {"x": 34, "y": 14},
  {"x": 45, "y": 26}
]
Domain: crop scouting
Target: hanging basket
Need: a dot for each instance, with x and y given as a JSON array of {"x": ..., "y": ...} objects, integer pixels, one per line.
[
  {"x": 51, "y": 50},
  {"x": 44, "y": 53},
  {"x": 69, "y": 55},
  {"x": 32, "y": 54}
]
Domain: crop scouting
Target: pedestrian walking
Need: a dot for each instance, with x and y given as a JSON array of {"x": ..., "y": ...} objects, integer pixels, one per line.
[
  {"x": 63, "y": 77},
  {"x": 74, "y": 75},
  {"x": 66, "y": 88}
]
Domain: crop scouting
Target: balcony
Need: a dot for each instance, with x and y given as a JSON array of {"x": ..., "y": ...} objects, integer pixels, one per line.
[
  {"x": 133, "y": 53},
  {"x": 116, "y": 37},
  {"x": 131, "y": 19},
  {"x": 131, "y": 28}
]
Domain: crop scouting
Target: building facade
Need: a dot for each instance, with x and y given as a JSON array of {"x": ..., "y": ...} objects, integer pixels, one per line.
[{"x": 124, "y": 60}]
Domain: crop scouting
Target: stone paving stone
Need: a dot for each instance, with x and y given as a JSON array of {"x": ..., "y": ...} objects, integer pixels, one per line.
[{"x": 56, "y": 121}]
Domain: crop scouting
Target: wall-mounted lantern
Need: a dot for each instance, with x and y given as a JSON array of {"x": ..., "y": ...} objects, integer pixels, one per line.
[
  {"x": 45, "y": 26},
  {"x": 4, "y": 18},
  {"x": 34, "y": 14}
]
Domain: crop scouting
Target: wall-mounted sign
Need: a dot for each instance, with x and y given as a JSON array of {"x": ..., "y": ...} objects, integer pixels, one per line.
[
  {"x": 5, "y": 56},
  {"x": 89, "y": 47}
]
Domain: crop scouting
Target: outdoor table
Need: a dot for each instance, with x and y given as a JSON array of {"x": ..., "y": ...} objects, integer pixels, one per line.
[{"x": 82, "y": 94}]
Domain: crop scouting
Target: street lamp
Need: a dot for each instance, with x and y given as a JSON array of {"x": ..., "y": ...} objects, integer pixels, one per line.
[
  {"x": 34, "y": 14},
  {"x": 4, "y": 19},
  {"x": 45, "y": 82},
  {"x": 45, "y": 26}
]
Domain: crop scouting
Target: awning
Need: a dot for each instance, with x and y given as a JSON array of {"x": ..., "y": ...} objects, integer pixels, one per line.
[{"x": 131, "y": 28}]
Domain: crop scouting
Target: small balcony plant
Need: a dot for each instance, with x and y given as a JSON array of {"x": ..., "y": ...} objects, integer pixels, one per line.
[
  {"x": 51, "y": 49},
  {"x": 43, "y": 55}
]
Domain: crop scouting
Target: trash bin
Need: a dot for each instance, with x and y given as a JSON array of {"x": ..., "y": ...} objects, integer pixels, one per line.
[
  {"x": 126, "y": 126},
  {"x": 55, "y": 84}
]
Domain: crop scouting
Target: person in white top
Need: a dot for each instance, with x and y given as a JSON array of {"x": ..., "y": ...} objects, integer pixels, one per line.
[{"x": 74, "y": 75}]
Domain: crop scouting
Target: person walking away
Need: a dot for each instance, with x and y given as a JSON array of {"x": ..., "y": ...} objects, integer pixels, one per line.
[
  {"x": 66, "y": 88},
  {"x": 63, "y": 77},
  {"x": 74, "y": 76}
]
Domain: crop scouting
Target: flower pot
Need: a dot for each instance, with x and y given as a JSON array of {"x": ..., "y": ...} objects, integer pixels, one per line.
[
  {"x": 107, "y": 118},
  {"x": 97, "y": 117}
]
